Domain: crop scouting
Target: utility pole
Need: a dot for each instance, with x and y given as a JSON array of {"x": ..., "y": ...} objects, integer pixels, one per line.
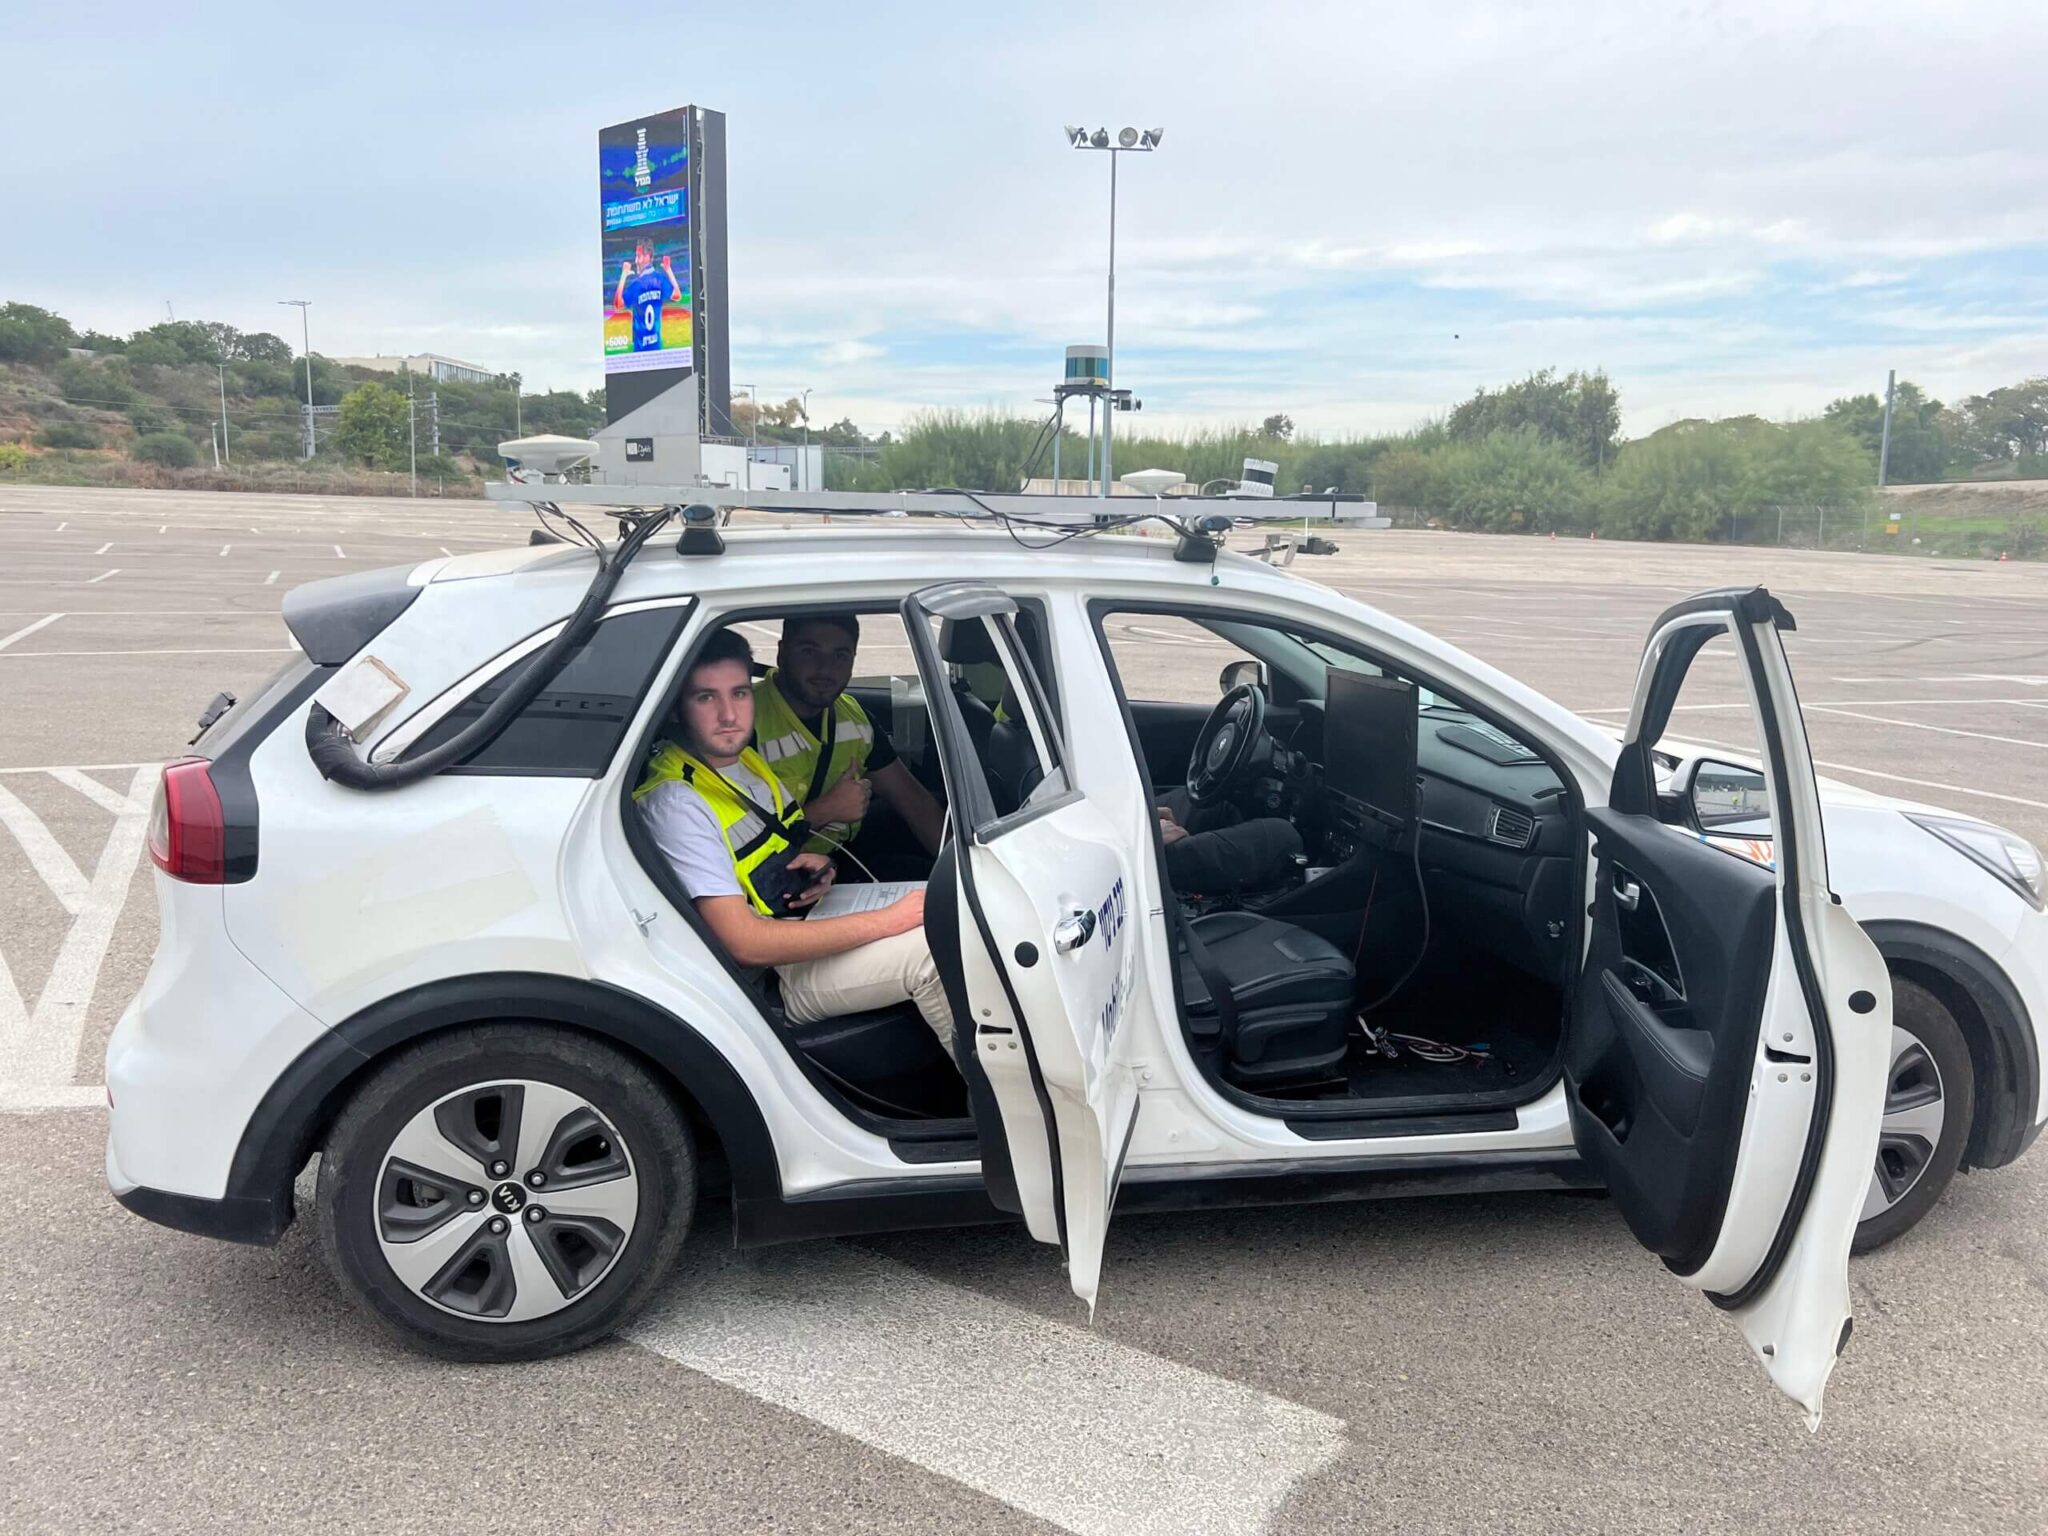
[
  {"x": 434, "y": 419},
  {"x": 412, "y": 430},
  {"x": 1884, "y": 445},
  {"x": 518, "y": 401},
  {"x": 223, "y": 367},
  {"x": 306, "y": 335},
  {"x": 213, "y": 436}
]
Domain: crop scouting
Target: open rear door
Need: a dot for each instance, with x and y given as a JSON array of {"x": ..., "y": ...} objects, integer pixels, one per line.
[
  {"x": 1732, "y": 1028},
  {"x": 1040, "y": 893}
]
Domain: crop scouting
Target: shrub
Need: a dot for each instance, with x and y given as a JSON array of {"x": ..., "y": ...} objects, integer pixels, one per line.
[
  {"x": 173, "y": 450},
  {"x": 12, "y": 456},
  {"x": 69, "y": 434}
]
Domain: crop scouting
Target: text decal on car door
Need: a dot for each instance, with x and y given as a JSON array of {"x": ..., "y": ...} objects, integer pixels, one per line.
[{"x": 1109, "y": 917}]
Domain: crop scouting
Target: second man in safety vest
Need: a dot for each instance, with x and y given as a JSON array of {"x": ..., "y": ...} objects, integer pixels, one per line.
[
  {"x": 720, "y": 817},
  {"x": 827, "y": 753}
]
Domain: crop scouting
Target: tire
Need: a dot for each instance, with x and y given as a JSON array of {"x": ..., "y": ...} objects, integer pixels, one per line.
[
  {"x": 409, "y": 1177},
  {"x": 1930, "y": 1099}
]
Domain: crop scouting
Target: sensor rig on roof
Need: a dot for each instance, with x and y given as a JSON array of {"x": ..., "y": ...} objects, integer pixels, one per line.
[{"x": 1200, "y": 522}]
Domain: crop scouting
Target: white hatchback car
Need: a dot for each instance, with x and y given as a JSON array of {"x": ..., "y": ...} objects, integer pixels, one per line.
[{"x": 439, "y": 950}]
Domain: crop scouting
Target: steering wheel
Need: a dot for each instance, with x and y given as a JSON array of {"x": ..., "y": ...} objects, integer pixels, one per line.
[{"x": 1227, "y": 744}]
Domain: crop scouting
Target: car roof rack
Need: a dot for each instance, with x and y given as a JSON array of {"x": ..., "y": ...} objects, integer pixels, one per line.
[{"x": 1199, "y": 521}]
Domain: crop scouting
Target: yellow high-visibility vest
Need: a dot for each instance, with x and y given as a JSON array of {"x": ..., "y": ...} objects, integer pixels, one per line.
[
  {"x": 796, "y": 754},
  {"x": 751, "y": 839}
]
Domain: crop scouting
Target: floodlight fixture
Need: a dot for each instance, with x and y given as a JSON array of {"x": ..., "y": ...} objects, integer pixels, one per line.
[
  {"x": 1128, "y": 138},
  {"x": 1150, "y": 138},
  {"x": 1077, "y": 137},
  {"x": 1100, "y": 138}
]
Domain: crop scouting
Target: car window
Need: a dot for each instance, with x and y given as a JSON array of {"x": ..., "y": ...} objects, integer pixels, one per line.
[
  {"x": 572, "y": 727},
  {"x": 1713, "y": 726},
  {"x": 1167, "y": 659}
]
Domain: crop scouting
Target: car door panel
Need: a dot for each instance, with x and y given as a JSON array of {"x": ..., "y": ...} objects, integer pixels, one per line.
[
  {"x": 1045, "y": 959},
  {"x": 1730, "y": 1033}
]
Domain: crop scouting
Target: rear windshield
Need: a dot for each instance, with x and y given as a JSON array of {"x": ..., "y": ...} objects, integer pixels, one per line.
[{"x": 249, "y": 707}]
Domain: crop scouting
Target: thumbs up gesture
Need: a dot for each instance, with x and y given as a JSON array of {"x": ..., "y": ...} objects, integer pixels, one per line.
[{"x": 846, "y": 801}]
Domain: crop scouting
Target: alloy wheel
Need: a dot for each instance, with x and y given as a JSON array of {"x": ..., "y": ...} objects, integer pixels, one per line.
[
  {"x": 1915, "y": 1109},
  {"x": 505, "y": 1201}
]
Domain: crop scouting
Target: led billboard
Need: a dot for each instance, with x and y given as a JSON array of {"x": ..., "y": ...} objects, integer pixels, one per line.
[{"x": 645, "y": 200}]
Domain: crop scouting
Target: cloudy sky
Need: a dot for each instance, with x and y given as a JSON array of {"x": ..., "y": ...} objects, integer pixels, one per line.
[{"x": 1361, "y": 211}]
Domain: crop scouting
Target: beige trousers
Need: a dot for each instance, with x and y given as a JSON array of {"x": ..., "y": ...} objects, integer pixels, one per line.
[{"x": 876, "y": 975}]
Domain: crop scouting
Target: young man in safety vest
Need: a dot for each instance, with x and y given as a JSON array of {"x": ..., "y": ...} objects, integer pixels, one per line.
[
  {"x": 721, "y": 817},
  {"x": 828, "y": 754}
]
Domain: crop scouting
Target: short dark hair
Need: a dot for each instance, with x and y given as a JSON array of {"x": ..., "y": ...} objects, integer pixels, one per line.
[
  {"x": 724, "y": 645},
  {"x": 847, "y": 623}
]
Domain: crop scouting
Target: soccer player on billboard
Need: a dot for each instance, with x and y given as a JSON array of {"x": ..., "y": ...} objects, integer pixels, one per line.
[{"x": 642, "y": 292}]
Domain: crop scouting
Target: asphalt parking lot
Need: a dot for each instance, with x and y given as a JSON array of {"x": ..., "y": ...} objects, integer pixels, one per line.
[{"x": 1486, "y": 1363}]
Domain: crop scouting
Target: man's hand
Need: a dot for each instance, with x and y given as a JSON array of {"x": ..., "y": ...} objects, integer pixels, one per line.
[
  {"x": 901, "y": 915},
  {"x": 1170, "y": 831},
  {"x": 845, "y": 801},
  {"x": 667, "y": 265},
  {"x": 820, "y": 865},
  {"x": 625, "y": 270}
]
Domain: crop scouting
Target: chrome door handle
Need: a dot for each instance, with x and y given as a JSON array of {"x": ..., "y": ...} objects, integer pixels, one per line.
[
  {"x": 1072, "y": 931},
  {"x": 1627, "y": 895}
]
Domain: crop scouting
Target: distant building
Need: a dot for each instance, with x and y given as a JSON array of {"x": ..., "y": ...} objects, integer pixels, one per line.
[{"x": 430, "y": 365}]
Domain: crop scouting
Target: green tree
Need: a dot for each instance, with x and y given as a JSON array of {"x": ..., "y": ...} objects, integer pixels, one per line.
[
  {"x": 373, "y": 427},
  {"x": 1919, "y": 450},
  {"x": 173, "y": 450},
  {"x": 1580, "y": 410},
  {"x": 1278, "y": 426},
  {"x": 29, "y": 334},
  {"x": 1679, "y": 483},
  {"x": 69, "y": 434},
  {"x": 1512, "y": 482}
]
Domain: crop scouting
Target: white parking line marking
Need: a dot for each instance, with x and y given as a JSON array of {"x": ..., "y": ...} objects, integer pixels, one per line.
[
  {"x": 83, "y": 768},
  {"x": 103, "y": 549},
  {"x": 166, "y": 528},
  {"x": 444, "y": 550},
  {"x": 28, "y": 629},
  {"x": 2027, "y": 680},
  {"x": 53, "y": 866},
  {"x": 103, "y": 575},
  {"x": 39, "y": 1049},
  {"x": 1749, "y": 754},
  {"x": 1918, "y": 725},
  {"x": 224, "y": 650},
  {"x": 270, "y": 578},
  {"x": 1097, "y": 1437},
  {"x": 338, "y": 554},
  {"x": 93, "y": 790},
  {"x": 62, "y": 526},
  {"x": 225, "y": 548}
]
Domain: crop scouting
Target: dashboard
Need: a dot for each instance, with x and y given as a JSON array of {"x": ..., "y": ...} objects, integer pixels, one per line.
[{"x": 1496, "y": 847}]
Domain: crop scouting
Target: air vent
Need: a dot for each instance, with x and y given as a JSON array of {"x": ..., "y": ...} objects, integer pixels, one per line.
[{"x": 1515, "y": 828}]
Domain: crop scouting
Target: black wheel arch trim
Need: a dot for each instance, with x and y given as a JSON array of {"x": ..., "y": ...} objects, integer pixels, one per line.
[
  {"x": 2009, "y": 1094},
  {"x": 282, "y": 1132}
]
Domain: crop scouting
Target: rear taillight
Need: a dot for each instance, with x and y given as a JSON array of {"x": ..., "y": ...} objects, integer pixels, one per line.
[{"x": 187, "y": 832}]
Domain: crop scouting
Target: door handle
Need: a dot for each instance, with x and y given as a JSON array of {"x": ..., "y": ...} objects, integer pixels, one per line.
[
  {"x": 1627, "y": 895},
  {"x": 1073, "y": 930}
]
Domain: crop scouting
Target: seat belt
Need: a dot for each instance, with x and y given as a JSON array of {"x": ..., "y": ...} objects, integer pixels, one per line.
[{"x": 1217, "y": 983}]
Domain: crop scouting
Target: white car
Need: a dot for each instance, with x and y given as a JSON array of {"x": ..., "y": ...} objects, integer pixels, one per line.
[{"x": 438, "y": 949}]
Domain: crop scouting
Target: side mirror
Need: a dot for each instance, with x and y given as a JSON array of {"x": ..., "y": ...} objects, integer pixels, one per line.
[
  {"x": 1729, "y": 799},
  {"x": 1240, "y": 674}
]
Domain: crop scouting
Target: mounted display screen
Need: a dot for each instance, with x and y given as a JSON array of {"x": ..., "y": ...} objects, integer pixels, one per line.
[
  {"x": 1369, "y": 744},
  {"x": 644, "y": 171}
]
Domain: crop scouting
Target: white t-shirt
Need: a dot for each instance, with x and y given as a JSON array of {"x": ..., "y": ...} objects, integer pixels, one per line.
[{"x": 685, "y": 829}]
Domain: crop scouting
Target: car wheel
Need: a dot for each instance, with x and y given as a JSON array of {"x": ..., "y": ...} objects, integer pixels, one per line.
[
  {"x": 1930, "y": 1095},
  {"x": 506, "y": 1192}
]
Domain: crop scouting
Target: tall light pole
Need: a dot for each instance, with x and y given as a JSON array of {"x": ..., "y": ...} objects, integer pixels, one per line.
[
  {"x": 754, "y": 418},
  {"x": 807, "y": 486},
  {"x": 1127, "y": 141},
  {"x": 306, "y": 334}
]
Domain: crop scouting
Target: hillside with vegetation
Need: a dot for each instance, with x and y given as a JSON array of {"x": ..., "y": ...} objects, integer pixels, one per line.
[{"x": 1541, "y": 455}]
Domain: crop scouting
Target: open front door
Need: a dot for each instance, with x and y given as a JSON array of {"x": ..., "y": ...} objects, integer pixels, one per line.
[
  {"x": 1040, "y": 899},
  {"x": 1732, "y": 1027}
]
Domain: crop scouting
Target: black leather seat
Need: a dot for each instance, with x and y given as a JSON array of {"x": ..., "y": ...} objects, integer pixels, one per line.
[
  {"x": 888, "y": 1058},
  {"x": 1292, "y": 993}
]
